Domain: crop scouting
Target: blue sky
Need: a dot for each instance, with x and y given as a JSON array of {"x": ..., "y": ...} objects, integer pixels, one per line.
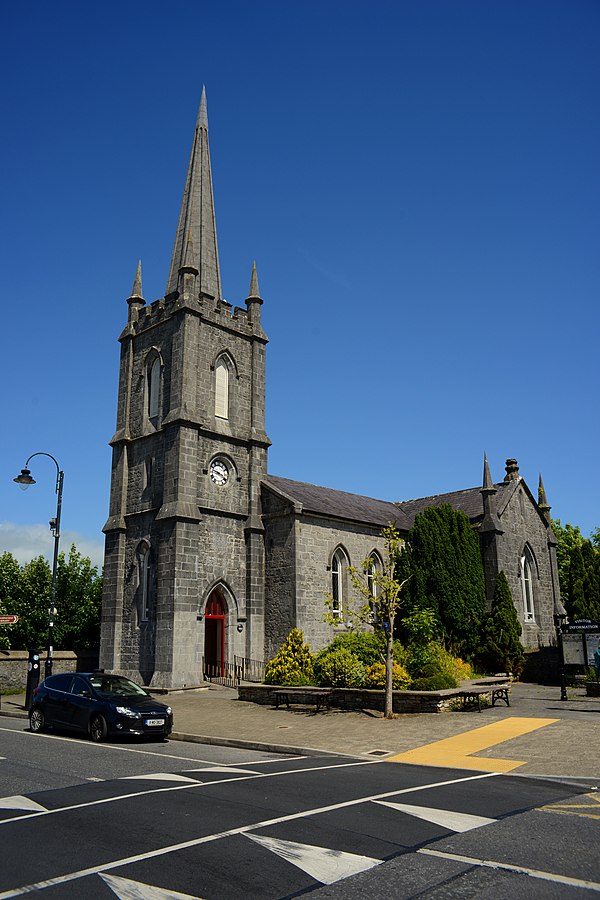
[{"x": 417, "y": 181}]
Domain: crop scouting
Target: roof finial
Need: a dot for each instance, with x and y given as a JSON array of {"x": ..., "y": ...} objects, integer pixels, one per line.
[{"x": 512, "y": 470}]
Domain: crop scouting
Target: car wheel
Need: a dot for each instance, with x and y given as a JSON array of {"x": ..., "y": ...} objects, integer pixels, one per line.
[
  {"x": 37, "y": 720},
  {"x": 98, "y": 729}
]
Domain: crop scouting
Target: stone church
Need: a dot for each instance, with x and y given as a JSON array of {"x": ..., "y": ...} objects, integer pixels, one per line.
[{"x": 208, "y": 557}]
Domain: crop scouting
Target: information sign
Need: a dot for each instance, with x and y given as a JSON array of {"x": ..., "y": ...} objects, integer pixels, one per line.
[{"x": 573, "y": 650}]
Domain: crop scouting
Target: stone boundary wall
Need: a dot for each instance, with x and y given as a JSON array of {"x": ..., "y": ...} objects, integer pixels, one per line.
[
  {"x": 13, "y": 665},
  {"x": 359, "y": 698}
]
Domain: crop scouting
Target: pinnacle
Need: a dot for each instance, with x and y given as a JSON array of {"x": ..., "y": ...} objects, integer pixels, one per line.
[
  {"x": 542, "y": 499},
  {"x": 136, "y": 291},
  {"x": 488, "y": 484},
  {"x": 254, "y": 293}
]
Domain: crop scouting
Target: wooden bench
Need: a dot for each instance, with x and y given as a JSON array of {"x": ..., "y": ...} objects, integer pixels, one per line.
[
  {"x": 318, "y": 697},
  {"x": 473, "y": 695}
]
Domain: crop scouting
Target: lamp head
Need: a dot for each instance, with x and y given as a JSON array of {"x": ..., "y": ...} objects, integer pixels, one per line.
[{"x": 24, "y": 479}]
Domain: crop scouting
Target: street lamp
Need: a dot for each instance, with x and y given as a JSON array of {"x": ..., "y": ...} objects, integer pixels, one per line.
[{"x": 24, "y": 480}]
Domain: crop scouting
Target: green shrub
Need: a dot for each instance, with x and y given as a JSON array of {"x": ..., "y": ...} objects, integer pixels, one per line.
[
  {"x": 501, "y": 648},
  {"x": 340, "y": 668},
  {"x": 368, "y": 646},
  {"x": 421, "y": 659},
  {"x": 293, "y": 663},
  {"x": 376, "y": 676},
  {"x": 438, "y": 682},
  {"x": 451, "y": 665},
  {"x": 425, "y": 661}
]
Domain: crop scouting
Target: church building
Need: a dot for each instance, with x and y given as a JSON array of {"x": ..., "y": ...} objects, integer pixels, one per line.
[{"x": 208, "y": 557}]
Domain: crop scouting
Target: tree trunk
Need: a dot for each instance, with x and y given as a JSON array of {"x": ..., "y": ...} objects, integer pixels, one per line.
[{"x": 389, "y": 663}]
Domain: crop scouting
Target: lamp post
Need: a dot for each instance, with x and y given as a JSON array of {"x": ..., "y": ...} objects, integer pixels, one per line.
[
  {"x": 559, "y": 623},
  {"x": 24, "y": 480}
]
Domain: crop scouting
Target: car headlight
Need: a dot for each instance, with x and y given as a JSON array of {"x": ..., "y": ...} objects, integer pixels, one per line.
[
  {"x": 169, "y": 710},
  {"x": 125, "y": 711}
]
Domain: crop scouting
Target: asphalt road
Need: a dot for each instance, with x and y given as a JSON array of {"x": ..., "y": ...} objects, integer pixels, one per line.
[{"x": 170, "y": 820}]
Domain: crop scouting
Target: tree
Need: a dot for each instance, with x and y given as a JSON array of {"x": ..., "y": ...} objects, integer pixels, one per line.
[
  {"x": 79, "y": 602},
  {"x": 9, "y": 580},
  {"x": 379, "y": 596},
  {"x": 501, "y": 647},
  {"x": 446, "y": 575},
  {"x": 32, "y": 604},
  {"x": 26, "y": 591},
  {"x": 578, "y": 562}
]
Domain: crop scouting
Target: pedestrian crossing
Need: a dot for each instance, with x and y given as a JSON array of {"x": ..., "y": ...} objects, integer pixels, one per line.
[{"x": 234, "y": 831}]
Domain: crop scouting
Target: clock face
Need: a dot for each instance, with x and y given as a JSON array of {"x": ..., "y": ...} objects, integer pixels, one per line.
[{"x": 219, "y": 472}]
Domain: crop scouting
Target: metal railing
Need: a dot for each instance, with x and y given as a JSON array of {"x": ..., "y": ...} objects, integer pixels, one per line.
[
  {"x": 250, "y": 669},
  {"x": 232, "y": 674}
]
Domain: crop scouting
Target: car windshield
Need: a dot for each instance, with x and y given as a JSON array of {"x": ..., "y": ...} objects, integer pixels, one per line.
[{"x": 116, "y": 686}]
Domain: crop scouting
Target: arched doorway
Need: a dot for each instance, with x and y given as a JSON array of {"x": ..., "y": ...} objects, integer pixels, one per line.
[{"x": 214, "y": 636}]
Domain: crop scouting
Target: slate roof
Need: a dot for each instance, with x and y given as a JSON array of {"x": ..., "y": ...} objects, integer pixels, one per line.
[
  {"x": 342, "y": 505},
  {"x": 468, "y": 501},
  {"x": 339, "y": 504}
]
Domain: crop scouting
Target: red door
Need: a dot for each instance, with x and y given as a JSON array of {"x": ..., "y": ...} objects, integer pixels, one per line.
[{"x": 214, "y": 636}]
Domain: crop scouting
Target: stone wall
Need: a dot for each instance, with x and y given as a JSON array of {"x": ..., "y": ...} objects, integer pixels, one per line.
[
  {"x": 316, "y": 541},
  {"x": 13, "y": 665},
  {"x": 522, "y": 523},
  {"x": 357, "y": 699}
]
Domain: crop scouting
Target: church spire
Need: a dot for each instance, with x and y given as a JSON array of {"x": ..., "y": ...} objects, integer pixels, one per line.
[{"x": 197, "y": 223}]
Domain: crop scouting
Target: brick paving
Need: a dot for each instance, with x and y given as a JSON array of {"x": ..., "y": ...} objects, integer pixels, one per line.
[{"x": 568, "y": 747}]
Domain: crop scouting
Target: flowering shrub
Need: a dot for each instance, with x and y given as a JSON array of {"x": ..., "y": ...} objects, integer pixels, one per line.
[
  {"x": 376, "y": 676},
  {"x": 293, "y": 663}
]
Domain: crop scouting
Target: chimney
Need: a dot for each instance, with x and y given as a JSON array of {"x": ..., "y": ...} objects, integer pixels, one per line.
[{"x": 512, "y": 470}]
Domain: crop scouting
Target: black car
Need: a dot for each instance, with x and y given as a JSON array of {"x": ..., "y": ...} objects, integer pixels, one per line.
[{"x": 98, "y": 704}]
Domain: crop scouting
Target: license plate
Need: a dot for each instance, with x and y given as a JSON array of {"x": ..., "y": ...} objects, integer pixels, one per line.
[{"x": 150, "y": 722}]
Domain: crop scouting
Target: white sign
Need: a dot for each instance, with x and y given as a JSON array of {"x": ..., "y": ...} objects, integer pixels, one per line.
[{"x": 573, "y": 650}]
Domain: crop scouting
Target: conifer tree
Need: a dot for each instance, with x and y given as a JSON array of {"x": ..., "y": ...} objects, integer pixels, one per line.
[
  {"x": 446, "y": 575},
  {"x": 293, "y": 662},
  {"x": 501, "y": 648}
]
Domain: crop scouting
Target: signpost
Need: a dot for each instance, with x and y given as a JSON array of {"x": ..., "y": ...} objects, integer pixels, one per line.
[
  {"x": 577, "y": 641},
  {"x": 9, "y": 620}
]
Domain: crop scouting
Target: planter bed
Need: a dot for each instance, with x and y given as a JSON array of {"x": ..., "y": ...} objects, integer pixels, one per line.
[{"x": 357, "y": 698}]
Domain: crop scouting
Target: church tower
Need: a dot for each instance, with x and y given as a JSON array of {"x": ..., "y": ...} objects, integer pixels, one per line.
[{"x": 184, "y": 558}]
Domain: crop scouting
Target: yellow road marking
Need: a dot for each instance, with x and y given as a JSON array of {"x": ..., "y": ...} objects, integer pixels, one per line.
[
  {"x": 574, "y": 809},
  {"x": 455, "y": 752}
]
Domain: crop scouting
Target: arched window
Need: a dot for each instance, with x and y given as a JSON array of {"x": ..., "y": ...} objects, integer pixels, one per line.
[
  {"x": 527, "y": 574},
  {"x": 339, "y": 564},
  {"x": 146, "y": 584},
  {"x": 374, "y": 567},
  {"x": 153, "y": 388},
  {"x": 222, "y": 389}
]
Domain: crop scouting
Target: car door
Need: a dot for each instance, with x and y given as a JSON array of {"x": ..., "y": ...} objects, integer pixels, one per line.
[
  {"x": 81, "y": 703},
  {"x": 56, "y": 699}
]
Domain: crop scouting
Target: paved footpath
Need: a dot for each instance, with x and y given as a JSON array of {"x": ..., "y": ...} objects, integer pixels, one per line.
[{"x": 537, "y": 735}]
